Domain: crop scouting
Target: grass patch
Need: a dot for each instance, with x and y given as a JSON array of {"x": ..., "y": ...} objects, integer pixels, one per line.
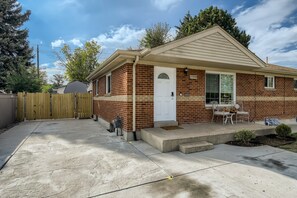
[{"x": 290, "y": 147}]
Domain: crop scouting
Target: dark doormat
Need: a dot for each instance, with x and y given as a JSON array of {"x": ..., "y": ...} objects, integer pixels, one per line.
[{"x": 168, "y": 128}]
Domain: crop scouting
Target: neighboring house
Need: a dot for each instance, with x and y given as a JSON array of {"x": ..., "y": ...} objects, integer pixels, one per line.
[
  {"x": 90, "y": 88},
  {"x": 59, "y": 90},
  {"x": 73, "y": 87},
  {"x": 179, "y": 80}
]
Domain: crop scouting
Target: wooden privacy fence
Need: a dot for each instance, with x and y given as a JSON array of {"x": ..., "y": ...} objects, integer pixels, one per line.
[{"x": 32, "y": 106}]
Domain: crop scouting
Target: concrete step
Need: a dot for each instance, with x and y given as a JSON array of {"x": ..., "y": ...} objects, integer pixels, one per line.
[
  {"x": 166, "y": 123},
  {"x": 195, "y": 147}
]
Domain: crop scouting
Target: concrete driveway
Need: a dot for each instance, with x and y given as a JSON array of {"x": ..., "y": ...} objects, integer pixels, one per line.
[{"x": 79, "y": 158}]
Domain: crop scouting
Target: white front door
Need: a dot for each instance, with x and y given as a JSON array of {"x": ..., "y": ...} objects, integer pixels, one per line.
[{"x": 164, "y": 93}]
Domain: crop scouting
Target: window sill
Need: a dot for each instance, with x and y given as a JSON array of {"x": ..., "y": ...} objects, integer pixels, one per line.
[
  {"x": 270, "y": 89},
  {"x": 209, "y": 106},
  {"x": 108, "y": 95}
]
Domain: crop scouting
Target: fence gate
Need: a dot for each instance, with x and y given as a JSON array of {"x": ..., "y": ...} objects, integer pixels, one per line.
[
  {"x": 83, "y": 105},
  {"x": 37, "y": 106},
  {"x": 63, "y": 105},
  {"x": 34, "y": 106}
]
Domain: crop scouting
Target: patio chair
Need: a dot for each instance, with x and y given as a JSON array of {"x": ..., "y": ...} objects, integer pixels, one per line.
[
  {"x": 217, "y": 113},
  {"x": 240, "y": 113}
]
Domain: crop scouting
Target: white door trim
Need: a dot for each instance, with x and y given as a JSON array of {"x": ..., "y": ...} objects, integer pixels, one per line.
[{"x": 171, "y": 72}]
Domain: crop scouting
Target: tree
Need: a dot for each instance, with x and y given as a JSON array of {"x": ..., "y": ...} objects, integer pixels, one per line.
[
  {"x": 58, "y": 80},
  {"x": 208, "y": 18},
  {"x": 81, "y": 62},
  {"x": 14, "y": 46},
  {"x": 47, "y": 88},
  {"x": 24, "y": 79},
  {"x": 156, "y": 35}
]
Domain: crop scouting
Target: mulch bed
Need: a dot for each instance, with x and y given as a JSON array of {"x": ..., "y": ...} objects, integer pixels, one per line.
[
  {"x": 249, "y": 144},
  {"x": 168, "y": 128},
  {"x": 271, "y": 140},
  {"x": 274, "y": 140}
]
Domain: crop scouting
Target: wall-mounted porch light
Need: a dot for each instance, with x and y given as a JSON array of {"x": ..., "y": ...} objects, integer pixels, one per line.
[{"x": 186, "y": 70}]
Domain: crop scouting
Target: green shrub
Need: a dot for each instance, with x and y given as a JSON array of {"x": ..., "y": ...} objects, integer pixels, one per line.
[
  {"x": 244, "y": 136},
  {"x": 283, "y": 130}
]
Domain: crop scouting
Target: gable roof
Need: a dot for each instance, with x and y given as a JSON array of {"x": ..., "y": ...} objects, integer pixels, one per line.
[{"x": 211, "y": 45}]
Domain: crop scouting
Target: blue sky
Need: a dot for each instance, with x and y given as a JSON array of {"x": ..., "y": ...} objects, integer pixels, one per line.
[{"x": 117, "y": 24}]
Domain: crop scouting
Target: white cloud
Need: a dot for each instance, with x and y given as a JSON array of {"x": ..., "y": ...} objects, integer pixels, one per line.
[
  {"x": 172, "y": 34},
  {"x": 52, "y": 69},
  {"x": 165, "y": 4},
  {"x": 43, "y": 66},
  {"x": 76, "y": 42},
  {"x": 57, "y": 64},
  {"x": 57, "y": 43},
  {"x": 236, "y": 9},
  {"x": 270, "y": 37},
  {"x": 121, "y": 37},
  {"x": 67, "y": 3}
]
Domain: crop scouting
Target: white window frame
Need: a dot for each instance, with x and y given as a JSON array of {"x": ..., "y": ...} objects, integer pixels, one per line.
[
  {"x": 106, "y": 84},
  {"x": 273, "y": 87},
  {"x": 97, "y": 87},
  {"x": 295, "y": 79},
  {"x": 234, "y": 88}
]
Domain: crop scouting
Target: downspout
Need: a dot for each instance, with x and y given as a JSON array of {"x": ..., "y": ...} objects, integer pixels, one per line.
[{"x": 134, "y": 98}]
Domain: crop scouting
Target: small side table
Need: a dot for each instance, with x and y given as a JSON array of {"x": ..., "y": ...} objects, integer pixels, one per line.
[{"x": 229, "y": 117}]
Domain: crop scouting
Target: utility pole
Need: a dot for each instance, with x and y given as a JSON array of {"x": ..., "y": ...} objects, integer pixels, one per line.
[{"x": 38, "y": 61}]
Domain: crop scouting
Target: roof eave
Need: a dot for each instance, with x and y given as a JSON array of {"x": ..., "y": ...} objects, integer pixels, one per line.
[{"x": 117, "y": 54}]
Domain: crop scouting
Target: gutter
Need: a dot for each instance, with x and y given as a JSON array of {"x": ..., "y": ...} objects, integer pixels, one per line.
[{"x": 134, "y": 97}]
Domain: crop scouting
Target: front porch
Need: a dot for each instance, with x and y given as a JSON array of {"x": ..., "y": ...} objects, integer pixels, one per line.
[{"x": 215, "y": 133}]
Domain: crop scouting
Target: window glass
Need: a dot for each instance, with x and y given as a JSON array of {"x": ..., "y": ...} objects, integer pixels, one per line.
[
  {"x": 269, "y": 82},
  {"x": 219, "y": 88},
  {"x": 295, "y": 84},
  {"x": 108, "y": 83},
  {"x": 226, "y": 89},
  {"x": 212, "y": 88},
  {"x": 163, "y": 76}
]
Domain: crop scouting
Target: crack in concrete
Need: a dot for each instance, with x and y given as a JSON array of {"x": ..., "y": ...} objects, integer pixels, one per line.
[{"x": 177, "y": 175}]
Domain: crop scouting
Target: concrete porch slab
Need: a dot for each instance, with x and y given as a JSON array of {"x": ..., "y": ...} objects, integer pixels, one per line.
[{"x": 169, "y": 140}]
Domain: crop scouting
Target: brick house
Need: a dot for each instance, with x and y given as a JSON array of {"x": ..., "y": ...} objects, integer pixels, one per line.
[{"x": 179, "y": 80}]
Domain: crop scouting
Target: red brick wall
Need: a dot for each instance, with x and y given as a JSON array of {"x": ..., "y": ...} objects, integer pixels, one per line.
[
  {"x": 108, "y": 110},
  {"x": 191, "y": 111},
  {"x": 144, "y": 87},
  {"x": 248, "y": 86}
]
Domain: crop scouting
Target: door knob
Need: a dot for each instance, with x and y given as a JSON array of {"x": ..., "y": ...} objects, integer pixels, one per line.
[{"x": 172, "y": 93}]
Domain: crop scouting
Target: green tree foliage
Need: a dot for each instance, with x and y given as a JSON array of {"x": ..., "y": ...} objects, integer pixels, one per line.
[
  {"x": 208, "y": 18},
  {"x": 47, "y": 88},
  {"x": 156, "y": 35},
  {"x": 24, "y": 79},
  {"x": 80, "y": 62},
  {"x": 58, "y": 80},
  {"x": 14, "y": 46}
]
